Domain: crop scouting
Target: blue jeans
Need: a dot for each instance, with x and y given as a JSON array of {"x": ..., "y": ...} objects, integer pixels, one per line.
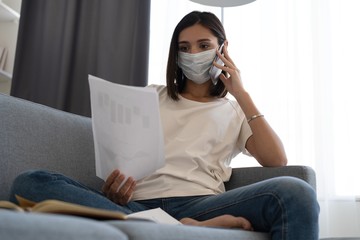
[{"x": 286, "y": 207}]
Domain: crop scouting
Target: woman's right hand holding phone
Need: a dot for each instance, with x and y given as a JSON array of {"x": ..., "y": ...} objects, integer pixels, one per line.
[{"x": 119, "y": 189}]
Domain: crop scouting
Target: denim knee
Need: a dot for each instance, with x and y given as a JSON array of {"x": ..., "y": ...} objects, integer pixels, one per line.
[
  {"x": 300, "y": 207},
  {"x": 299, "y": 189},
  {"x": 299, "y": 195},
  {"x": 28, "y": 183}
]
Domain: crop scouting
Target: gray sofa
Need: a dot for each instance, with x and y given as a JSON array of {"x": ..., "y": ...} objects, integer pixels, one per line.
[{"x": 34, "y": 136}]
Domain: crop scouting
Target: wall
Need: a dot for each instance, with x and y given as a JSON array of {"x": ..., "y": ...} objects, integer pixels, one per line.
[{"x": 8, "y": 38}]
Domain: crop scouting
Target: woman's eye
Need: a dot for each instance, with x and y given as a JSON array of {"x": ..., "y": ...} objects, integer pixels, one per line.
[
  {"x": 183, "y": 48},
  {"x": 204, "y": 46}
]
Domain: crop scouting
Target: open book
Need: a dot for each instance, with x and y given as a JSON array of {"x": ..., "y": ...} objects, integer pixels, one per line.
[{"x": 59, "y": 207}]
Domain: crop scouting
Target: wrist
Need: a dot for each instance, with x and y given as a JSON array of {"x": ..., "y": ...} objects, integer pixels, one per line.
[{"x": 253, "y": 117}]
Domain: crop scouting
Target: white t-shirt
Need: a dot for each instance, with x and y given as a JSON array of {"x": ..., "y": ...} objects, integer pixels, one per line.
[{"x": 200, "y": 141}]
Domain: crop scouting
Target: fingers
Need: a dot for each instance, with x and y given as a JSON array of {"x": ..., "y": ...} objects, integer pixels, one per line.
[
  {"x": 231, "y": 76},
  {"x": 117, "y": 189},
  {"x": 229, "y": 66},
  {"x": 125, "y": 193},
  {"x": 226, "y": 59},
  {"x": 109, "y": 181}
]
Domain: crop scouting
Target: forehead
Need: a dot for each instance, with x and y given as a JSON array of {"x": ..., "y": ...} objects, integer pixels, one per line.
[{"x": 194, "y": 33}]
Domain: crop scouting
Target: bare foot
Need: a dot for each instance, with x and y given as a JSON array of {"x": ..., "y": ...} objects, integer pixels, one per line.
[{"x": 226, "y": 221}]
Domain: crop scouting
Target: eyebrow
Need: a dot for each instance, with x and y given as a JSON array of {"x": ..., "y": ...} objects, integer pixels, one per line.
[{"x": 200, "y": 40}]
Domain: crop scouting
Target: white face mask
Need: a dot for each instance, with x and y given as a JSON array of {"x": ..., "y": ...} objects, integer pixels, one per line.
[{"x": 196, "y": 66}]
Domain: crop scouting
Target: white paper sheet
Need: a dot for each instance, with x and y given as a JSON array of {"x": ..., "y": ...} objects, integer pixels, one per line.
[
  {"x": 156, "y": 215},
  {"x": 127, "y": 129}
]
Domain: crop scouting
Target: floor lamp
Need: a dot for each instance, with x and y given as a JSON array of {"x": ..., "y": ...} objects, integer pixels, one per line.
[{"x": 222, "y": 4}]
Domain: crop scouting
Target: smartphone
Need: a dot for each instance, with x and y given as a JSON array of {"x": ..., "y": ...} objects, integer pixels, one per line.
[{"x": 214, "y": 71}]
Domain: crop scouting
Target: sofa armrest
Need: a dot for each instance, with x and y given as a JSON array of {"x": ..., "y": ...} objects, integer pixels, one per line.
[{"x": 248, "y": 175}]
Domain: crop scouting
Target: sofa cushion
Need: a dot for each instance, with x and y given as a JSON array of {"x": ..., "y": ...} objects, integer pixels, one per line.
[
  {"x": 137, "y": 230},
  {"x": 33, "y": 226}
]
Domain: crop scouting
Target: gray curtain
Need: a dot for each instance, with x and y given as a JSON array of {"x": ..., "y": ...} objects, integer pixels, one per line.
[{"x": 60, "y": 42}]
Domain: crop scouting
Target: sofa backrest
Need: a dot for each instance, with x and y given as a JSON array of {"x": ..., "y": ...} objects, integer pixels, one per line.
[{"x": 33, "y": 136}]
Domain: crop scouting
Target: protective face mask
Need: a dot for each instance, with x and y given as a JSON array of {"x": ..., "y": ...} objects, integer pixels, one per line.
[{"x": 196, "y": 66}]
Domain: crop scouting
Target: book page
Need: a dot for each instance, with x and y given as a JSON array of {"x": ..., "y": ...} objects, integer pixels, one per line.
[
  {"x": 60, "y": 207},
  {"x": 52, "y": 206},
  {"x": 127, "y": 129},
  {"x": 10, "y": 206},
  {"x": 66, "y": 208},
  {"x": 156, "y": 215}
]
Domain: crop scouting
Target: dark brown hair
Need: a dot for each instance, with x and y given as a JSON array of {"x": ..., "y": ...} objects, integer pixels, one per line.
[{"x": 175, "y": 78}]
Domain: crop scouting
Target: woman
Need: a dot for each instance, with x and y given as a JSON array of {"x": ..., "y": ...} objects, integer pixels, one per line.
[{"x": 203, "y": 131}]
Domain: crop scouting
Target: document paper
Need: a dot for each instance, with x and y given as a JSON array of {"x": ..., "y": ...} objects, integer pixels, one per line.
[
  {"x": 127, "y": 129},
  {"x": 156, "y": 215}
]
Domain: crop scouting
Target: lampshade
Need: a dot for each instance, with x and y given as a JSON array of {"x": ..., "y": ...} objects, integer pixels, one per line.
[{"x": 223, "y": 3}]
